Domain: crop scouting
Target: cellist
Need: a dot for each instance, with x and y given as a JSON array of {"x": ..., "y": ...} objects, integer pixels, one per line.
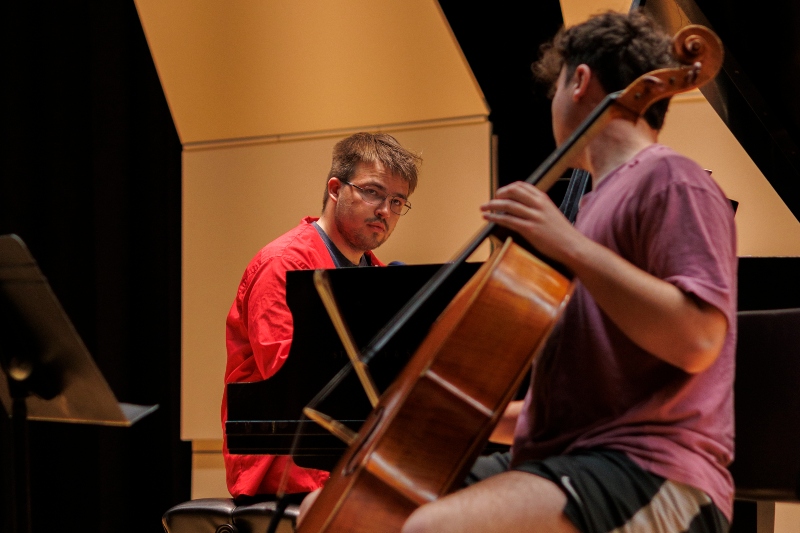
[{"x": 628, "y": 420}]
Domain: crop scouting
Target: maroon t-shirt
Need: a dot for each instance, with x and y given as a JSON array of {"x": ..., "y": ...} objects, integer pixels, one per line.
[{"x": 592, "y": 387}]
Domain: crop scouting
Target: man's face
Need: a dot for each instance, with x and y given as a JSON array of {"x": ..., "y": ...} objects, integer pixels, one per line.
[{"x": 362, "y": 225}]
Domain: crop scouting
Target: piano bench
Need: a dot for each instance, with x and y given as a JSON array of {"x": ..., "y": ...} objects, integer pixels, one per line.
[{"x": 222, "y": 515}]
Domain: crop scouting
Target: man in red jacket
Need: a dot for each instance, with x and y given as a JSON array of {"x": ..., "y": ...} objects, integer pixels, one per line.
[{"x": 367, "y": 191}]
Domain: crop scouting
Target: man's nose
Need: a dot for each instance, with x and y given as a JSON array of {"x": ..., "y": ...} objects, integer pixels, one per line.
[{"x": 383, "y": 209}]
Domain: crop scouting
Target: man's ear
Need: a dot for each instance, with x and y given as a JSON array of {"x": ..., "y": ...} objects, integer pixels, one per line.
[
  {"x": 334, "y": 187},
  {"x": 579, "y": 84}
]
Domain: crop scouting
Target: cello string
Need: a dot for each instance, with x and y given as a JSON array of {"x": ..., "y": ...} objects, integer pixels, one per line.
[{"x": 577, "y": 188}]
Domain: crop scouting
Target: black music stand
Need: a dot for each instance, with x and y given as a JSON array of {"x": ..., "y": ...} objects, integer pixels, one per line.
[{"x": 49, "y": 374}]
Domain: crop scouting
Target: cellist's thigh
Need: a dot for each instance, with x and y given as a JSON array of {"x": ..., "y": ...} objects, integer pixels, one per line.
[{"x": 508, "y": 502}]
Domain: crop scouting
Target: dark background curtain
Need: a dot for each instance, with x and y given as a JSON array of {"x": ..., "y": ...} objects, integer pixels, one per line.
[
  {"x": 500, "y": 41},
  {"x": 91, "y": 181}
]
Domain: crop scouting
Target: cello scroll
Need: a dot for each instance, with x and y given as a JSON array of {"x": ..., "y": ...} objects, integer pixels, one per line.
[{"x": 700, "y": 52}]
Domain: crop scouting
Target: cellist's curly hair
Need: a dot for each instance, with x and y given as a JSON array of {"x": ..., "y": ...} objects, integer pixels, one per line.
[{"x": 617, "y": 47}]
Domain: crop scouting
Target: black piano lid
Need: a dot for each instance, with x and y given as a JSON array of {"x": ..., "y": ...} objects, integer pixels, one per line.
[
  {"x": 270, "y": 409},
  {"x": 755, "y": 93}
]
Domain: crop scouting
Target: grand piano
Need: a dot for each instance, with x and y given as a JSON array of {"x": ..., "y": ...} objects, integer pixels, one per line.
[{"x": 754, "y": 99}]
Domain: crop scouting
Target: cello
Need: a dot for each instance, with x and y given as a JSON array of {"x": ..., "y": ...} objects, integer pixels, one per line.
[{"x": 426, "y": 430}]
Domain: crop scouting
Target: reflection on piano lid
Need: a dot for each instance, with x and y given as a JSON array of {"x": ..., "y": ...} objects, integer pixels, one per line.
[{"x": 757, "y": 101}]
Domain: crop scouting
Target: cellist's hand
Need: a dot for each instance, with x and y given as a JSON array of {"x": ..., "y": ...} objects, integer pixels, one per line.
[
  {"x": 655, "y": 314},
  {"x": 525, "y": 209},
  {"x": 504, "y": 430}
]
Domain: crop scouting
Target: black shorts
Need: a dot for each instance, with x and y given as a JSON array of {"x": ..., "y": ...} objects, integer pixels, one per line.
[{"x": 607, "y": 492}]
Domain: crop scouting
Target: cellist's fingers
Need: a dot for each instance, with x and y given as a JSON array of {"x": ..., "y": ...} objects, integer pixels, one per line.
[
  {"x": 509, "y": 218},
  {"x": 523, "y": 201},
  {"x": 509, "y": 207},
  {"x": 522, "y": 193},
  {"x": 529, "y": 212}
]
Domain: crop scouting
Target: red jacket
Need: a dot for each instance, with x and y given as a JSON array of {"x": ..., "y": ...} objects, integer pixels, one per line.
[{"x": 258, "y": 337}]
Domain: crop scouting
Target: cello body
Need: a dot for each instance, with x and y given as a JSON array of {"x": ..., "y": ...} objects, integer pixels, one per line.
[{"x": 436, "y": 417}]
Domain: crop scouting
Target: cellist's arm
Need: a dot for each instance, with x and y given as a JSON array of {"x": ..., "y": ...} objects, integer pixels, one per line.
[
  {"x": 504, "y": 431},
  {"x": 653, "y": 313}
]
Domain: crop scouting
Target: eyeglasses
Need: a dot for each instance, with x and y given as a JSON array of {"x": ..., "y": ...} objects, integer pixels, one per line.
[{"x": 397, "y": 204}]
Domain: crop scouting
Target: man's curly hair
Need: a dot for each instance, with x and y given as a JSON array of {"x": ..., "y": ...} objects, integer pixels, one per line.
[{"x": 617, "y": 47}]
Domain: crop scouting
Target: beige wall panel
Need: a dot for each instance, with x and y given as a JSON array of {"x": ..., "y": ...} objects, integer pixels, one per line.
[
  {"x": 255, "y": 68},
  {"x": 787, "y": 517},
  {"x": 238, "y": 198},
  {"x": 576, "y": 11},
  {"x": 764, "y": 224}
]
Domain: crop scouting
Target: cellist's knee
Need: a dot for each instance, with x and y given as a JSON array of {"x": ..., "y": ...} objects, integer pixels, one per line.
[
  {"x": 419, "y": 521},
  {"x": 306, "y": 504}
]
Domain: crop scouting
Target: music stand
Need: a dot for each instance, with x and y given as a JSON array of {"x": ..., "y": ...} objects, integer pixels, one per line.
[{"x": 49, "y": 374}]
